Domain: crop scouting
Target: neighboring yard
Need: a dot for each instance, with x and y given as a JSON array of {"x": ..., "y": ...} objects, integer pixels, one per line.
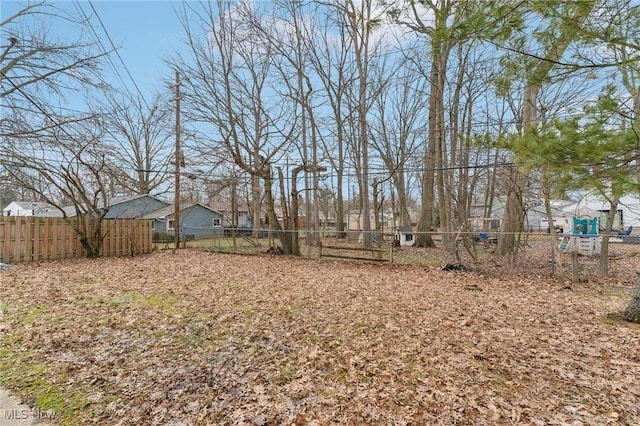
[{"x": 197, "y": 338}]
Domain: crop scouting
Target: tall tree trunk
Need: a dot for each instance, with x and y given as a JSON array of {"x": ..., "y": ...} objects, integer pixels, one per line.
[
  {"x": 434, "y": 158},
  {"x": 437, "y": 129},
  {"x": 604, "y": 248},
  {"x": 556, "y": 255},
  {"x": 360, "y": 28},
  {"x": 401, "y": 190},
  {"x": 632, "y": 312},
  {"x": 340, "y": 225},
  {"x": 433, "y": 154},
  {"x": 425, "y": 222},
  {"x": 513, "y": 222},
  {"x": 269, "y": 204},
  {"x": 256, "y": 204}
]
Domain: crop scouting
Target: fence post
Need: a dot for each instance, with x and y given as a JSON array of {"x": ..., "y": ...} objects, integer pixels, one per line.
[{"x": 575, "y": 277}]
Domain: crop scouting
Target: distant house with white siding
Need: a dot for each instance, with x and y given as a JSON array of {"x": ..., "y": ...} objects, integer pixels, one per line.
[
  {"x": 31, "y": 208},
  {"x": 628, "y": 211},
  {"x": 243, "y": 216}
]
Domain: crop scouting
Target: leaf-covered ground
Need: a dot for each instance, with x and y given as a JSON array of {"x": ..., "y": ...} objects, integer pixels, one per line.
[{"x": 196, "y": 338}]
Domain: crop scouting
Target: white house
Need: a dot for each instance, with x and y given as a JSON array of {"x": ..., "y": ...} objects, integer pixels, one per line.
[
  {"x": 31, "y": 208},
  {"x": 243, "y": 216},
  {"x": 590, "y": 205},
  {"x": 628, "y": 210}
]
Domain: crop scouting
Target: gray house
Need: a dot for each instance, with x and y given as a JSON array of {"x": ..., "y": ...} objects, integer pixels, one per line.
[{"x": 195, "y": 219}]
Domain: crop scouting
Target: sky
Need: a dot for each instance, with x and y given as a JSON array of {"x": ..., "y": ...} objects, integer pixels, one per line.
[{"x": 146, "y": 33}]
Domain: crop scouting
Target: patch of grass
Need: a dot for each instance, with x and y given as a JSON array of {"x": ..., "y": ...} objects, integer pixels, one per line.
[
  {"x": 500, "y": 382},
  {"x": 31, "y": 380},
  {"x": 613, "y": 318},
  {"x": 162, "y": 301},
  {"x": 244, "y": 307},
  {"x": 128, "y": 297},
  {"x": 91, "y": 281},
  {"x": 286, "y": 373},
  {"x": 32, "y": 315},
  {"x": 412, "y": 374}
]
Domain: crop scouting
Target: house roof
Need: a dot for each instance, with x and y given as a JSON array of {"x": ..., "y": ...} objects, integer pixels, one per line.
[
  {"x": 32, "y": 205},
  {"x": 169, "y": 210},
  {"x": 580, "y": 211},
  {"x": 405, "y": 229},
  {"x": 124, "y": 198}
]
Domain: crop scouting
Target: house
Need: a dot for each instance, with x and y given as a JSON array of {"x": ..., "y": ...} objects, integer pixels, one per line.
[
  {"x": 628, "y": 211},
  {"x": 31, "y": 208},
  {"x": 535, "y": 216},
  {"x": 405, "y": 236},
  {"x": 481, "y": 222},
  {"x": 354, "y": 218},
  {"x": 195, "y": 219},
  {"x": 243, "y": 216},
  {"x": 133, "y": 207},
  {"x": 590, "y": 206}
]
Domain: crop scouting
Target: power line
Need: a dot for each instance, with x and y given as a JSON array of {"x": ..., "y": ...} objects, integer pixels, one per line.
[{"x": 113, "y": 49}]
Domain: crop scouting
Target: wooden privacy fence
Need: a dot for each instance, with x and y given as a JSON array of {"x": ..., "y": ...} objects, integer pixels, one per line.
[{"x": 27, "y": 238}]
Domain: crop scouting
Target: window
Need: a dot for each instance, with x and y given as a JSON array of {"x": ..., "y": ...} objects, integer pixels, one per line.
[
  {"x": 217, "y": 222},
  {"x": 408, "y": 237},
  {"x": 170, "y": 224}
]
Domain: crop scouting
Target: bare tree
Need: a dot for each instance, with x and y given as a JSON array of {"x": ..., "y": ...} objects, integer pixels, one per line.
[
  {"x": 48, "y": 150},
  {"x": 140, "y": 135},
  {"x": 446, "y": 24},
  {"x": 29, "y": 58},
  {"x": 35, "y": 71},
  {"x": 398, "y": 129},
  {"x": 361, "y": 20},
  {"x": 289, "y": 32},
  {"x": 65, "y": 168},
  {"x": 227, "y": 85},
  {"x": 330, "y": 55}
]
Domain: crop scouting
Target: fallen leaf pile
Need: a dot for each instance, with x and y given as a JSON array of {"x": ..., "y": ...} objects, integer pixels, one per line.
[{"x": 196, "y": 338}]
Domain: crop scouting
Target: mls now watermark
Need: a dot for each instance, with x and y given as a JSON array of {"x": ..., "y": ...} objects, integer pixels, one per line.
[{"x": 27, "y": 414}]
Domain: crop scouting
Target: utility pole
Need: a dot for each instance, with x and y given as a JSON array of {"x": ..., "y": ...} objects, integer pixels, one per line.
[{"x": 178, "y": 159}]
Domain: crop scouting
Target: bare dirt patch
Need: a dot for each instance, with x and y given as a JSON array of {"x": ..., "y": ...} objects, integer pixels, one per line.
[{"x": 205, "y": 338}]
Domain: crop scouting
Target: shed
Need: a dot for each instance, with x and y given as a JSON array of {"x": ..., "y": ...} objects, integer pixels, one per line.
[{"x": 405, "y": 236}]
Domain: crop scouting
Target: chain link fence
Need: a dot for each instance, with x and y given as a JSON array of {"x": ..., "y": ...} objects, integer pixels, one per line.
[{"x": 579, "y": 257}]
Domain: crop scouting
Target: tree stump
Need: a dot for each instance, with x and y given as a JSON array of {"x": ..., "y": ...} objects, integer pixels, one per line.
[{"x": 632, "y": 313}]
